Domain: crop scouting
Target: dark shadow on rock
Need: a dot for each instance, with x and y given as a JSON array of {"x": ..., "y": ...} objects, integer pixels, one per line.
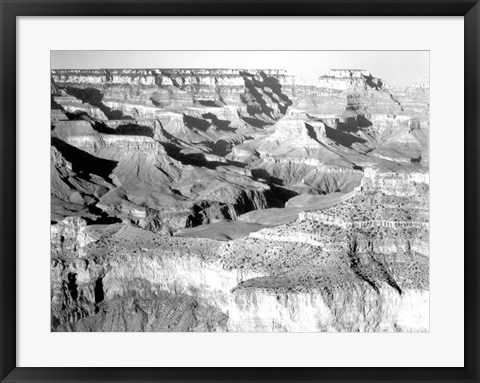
[
  {"x": 102, "y": 218},
  {"x": 221, "y": 148},
  {"x": 263, "y": 174},
  {"x": 372, "y": 82},
  {"x": 94, "y": 97},
  {"x": 98, "y": 290},
  {"x": 353, "y": 123},
  {"x": 209, "y": 103},
  {"x": 155, "y": 102},
  {"x": 223, "y": 125},
  {"x": 200, "y": 213},
  {"x": 195, "y": 159},
  {"x": 130, "y": 129},
  {"x": 171, "y": 138},
  {"x": 78, "y": 115},
  {"x": 342, "y": 138},
  {"x": 135, "y": 130},
  {"x": 363, "y": 122},
  {"x": 276, "y": 87},
  {"x": 254, "y": 99},
  {"x": 348, "y": 125},
  {"x": 71, "y": 285},
  {"x": 259, "y": 90},
  {"x": 311, "y": 132},
  {"x": 55, "y": 105},
  {"x": 196, "y": 123},
  {"x": 255, "y": 122},
  {"x": 384, "y": 271},
  {"x": 277, "y": 196},
  {"x": 83, "y": 162},
  {"x": 416, "y": 160},
  {"x": 357, "y": 266}
]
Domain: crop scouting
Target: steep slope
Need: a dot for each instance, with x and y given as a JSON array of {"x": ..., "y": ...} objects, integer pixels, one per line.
[
  {"x": 238, "y": 200},
  {"x": 314, "y": 274}
]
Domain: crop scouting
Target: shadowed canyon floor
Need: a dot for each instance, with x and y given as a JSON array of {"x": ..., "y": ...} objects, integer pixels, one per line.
[{"x": 238, "y": 200}]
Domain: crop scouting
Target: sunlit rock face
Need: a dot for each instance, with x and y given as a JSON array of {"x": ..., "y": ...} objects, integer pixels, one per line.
[
  {"x": 395, "y": 183},
  {"x": 256, "y": 285},
  {"x": 238, "y": 200},
  {"x": 69, "y": 237}
]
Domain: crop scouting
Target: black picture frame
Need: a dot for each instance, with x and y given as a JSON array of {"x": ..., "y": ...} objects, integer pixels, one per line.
[{"x": 470, "y": 10}]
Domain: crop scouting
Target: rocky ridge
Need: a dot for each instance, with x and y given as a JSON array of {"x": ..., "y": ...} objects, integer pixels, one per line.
[{"x": 238, "y": 200}]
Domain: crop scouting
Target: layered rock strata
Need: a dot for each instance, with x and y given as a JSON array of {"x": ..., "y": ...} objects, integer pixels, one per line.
[{"x": 238, "y": 200}]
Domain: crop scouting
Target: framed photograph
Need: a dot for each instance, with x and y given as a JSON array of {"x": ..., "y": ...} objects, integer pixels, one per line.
[{"x": 237, "y": 191}]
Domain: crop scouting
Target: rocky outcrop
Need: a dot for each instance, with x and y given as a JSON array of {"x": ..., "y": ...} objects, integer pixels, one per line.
[
  {"x": 172, "y": 204},
  {"x": 69, "y": 237},
  {"x": 348, "y": 79},
  {"x": 173, "y": 88},
  {"x": 395, "y": 182},
  {"x": 249, "y": 298},
  {"x": 79, "y": 303}
]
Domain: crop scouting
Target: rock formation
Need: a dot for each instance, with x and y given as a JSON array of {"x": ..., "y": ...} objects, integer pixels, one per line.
[{"x": 238, "y": 200}]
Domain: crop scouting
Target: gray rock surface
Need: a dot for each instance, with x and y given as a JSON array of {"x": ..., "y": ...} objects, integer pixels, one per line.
[{"x": 238, "y": 200}]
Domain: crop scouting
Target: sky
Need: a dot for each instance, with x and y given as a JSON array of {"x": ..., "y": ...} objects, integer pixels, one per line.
[{"x": 397, "y": 68}]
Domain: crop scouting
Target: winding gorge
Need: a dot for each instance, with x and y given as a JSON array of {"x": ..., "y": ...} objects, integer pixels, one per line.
[{"x": 238, "y": 200}]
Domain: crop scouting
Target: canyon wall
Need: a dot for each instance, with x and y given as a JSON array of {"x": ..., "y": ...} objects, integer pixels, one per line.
[{"x": 142, "y": 157}]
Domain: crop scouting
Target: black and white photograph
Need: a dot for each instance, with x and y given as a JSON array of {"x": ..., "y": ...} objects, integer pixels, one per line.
[{"x": 239, "y": 191}]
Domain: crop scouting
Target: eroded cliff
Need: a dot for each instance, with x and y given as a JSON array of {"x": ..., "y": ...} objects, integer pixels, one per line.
[{"x": 238, "y": 200}]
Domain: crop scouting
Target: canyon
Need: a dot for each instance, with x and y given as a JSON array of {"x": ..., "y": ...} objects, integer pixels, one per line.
[{"x": 238, "y": 200}]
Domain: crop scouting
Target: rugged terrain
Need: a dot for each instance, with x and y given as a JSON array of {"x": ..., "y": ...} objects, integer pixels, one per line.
[{"x": 238, "y": 200}]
